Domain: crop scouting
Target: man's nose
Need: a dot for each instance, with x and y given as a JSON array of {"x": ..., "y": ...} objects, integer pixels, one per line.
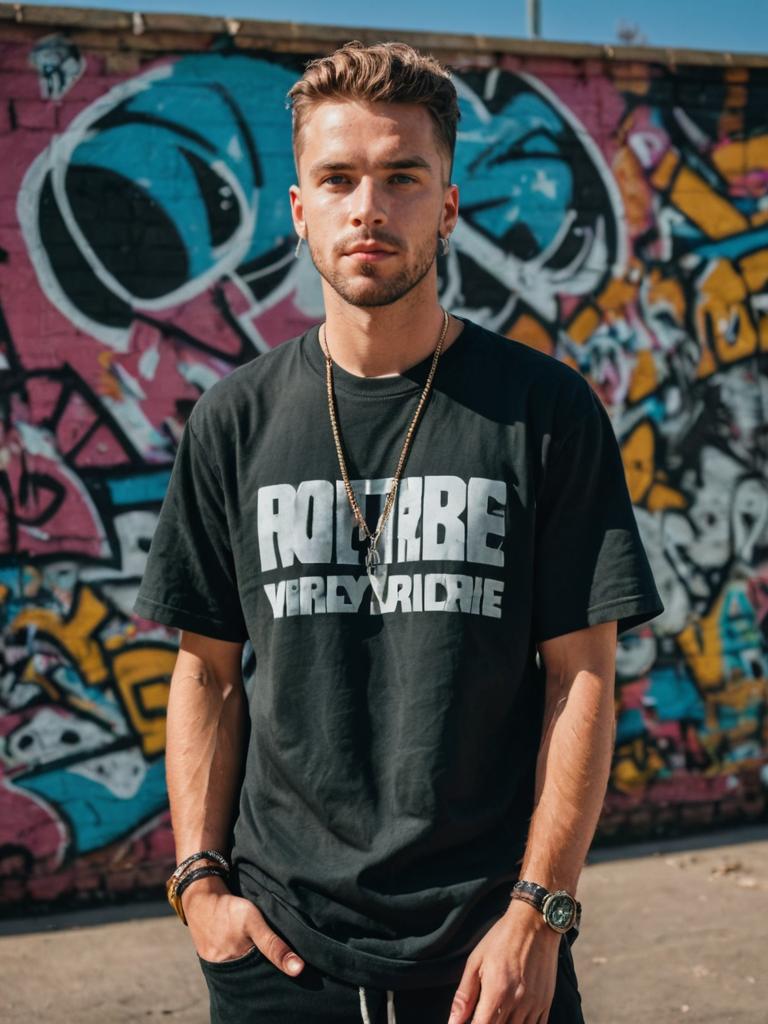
[{"x": 368, "y": 206}]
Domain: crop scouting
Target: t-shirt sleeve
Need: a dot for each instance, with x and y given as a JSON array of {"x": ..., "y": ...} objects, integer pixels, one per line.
[
  {"x": 590, "y": 563},
  {"x": 189, "y": 580}
]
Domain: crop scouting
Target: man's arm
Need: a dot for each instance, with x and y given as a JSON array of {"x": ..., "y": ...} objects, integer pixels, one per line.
[
  {"x": 575, "y": 754},
  {"x": 516, "y": 960},
  {"x": 204, "y": 758},
  {"x": 204, "y": 747}
]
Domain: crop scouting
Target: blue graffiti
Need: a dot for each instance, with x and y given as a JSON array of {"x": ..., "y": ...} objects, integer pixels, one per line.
[
  {"x": 527, "y": 180},
  {"x": 166, "y": 184},
  {"x": 674, "y": 695},
  {"x": 139, "y": 488},
  {"x": 95, "y": 814}
]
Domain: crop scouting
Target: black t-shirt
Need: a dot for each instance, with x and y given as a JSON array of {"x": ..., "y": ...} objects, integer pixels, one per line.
[{"x": 390, "y": 768}]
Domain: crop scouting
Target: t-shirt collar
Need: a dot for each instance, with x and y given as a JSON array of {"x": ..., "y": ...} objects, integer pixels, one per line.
[{"x": 409, "y": 382}]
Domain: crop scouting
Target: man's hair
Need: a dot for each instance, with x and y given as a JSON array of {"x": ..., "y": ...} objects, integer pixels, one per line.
[{"x": 382, "y": 72}]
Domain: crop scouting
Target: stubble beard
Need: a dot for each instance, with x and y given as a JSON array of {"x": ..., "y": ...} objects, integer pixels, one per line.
[{"x": 389, "y": 289}]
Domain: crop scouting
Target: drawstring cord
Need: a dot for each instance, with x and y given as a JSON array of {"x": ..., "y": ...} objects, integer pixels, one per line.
[
  {"x": 364, "y": 1007},
  {"x": 391, "y": 1019}
]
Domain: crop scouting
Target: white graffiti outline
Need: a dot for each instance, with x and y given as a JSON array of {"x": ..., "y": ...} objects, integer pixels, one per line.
[
  {"x": 55, "y": 160},
  {"x": 539, "y": 285}
]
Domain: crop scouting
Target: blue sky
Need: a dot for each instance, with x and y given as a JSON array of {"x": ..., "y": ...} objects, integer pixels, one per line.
[{"x": 699, "y": 24}]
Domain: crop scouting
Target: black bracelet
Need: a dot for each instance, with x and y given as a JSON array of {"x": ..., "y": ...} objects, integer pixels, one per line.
[
  {"x": 213, "y": 855},
  {"x": 192, "y": 876}
]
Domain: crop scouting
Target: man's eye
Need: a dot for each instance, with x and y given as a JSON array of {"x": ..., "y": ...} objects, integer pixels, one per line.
[
  {"x": 407, "y": 177},
  {"x": 334, "y": 179}
]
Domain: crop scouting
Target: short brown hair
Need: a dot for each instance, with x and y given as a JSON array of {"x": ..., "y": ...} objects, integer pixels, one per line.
[{"x": 382, "y": 72}]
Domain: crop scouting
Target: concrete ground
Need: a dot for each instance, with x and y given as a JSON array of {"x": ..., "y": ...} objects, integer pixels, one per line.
[{"x": 672, "y": 931}]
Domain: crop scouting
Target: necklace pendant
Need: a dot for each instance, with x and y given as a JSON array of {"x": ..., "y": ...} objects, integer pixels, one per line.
[
  {"x": 361, "y": 534},
  {"x": 377, "y": 573},
  {"x": 372, "y": 559}
]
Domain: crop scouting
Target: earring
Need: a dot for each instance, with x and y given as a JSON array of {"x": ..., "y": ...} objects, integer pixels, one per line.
[
  {"x": 298, "y": 246},
  {"x": 445, "y": 243}
]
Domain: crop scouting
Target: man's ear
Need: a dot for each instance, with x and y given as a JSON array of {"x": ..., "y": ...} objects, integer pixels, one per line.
[
  {"x": 297, "y": 210},
  {"x": 450, "y": 212}
]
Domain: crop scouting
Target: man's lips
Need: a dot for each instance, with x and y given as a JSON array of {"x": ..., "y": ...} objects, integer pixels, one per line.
[{"x": 369, "y": 255}]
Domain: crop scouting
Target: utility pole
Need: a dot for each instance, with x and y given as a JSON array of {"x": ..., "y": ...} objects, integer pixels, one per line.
[{"x": 534, "y": 18}]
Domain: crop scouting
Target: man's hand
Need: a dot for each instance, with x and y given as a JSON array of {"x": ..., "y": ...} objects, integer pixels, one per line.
[
  {"x": 225, "y": 927},
  {"x": 510, "y": 975}
]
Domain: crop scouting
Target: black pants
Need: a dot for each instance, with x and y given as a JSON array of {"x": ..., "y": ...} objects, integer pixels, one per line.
[{"x": 251, "y": 990}]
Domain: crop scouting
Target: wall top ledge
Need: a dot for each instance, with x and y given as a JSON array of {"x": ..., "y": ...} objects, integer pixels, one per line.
[{"x": 287, "y": 34}]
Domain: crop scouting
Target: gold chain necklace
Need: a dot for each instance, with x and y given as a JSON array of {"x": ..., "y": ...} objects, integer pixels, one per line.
[{"x": 372, "y": 559}]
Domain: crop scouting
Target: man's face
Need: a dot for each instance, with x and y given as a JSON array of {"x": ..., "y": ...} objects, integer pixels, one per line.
[{"x": 372, "y": 174}]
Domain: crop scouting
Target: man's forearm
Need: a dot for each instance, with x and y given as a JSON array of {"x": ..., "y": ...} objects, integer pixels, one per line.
[
  {"x": 205, "y": 731},
  {"x": 572, "y": 771},
  {"x": 206, "y": 728}
]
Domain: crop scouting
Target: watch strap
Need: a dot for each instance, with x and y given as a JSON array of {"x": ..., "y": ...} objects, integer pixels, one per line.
[
  {"x": 535, "y": 895},
  {"x": 537, "y": 892}
]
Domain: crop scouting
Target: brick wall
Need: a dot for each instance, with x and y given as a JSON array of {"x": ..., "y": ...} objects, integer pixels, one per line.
[{"x": 614, "y": 214}]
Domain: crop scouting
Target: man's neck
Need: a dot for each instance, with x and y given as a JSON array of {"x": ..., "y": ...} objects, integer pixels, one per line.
[{"x": 383, "y": 341}]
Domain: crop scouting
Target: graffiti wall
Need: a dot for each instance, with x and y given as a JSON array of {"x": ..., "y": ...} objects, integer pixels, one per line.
[{"x": 612, "y": 215}]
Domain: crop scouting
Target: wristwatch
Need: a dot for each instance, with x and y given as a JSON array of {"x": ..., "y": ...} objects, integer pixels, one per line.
[{"x": 559, "y": 909}]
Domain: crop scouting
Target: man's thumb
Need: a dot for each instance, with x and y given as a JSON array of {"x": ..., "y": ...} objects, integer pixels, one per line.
[
  {"x": 279, "y": 952},
  {"x": 291, "y": 963}
]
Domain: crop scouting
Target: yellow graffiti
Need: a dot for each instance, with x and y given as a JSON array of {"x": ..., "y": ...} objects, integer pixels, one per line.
[
  {"x": 702, "y": 647},
  {"x": 636, "y": 764},
  {"x": 142, "y": 675},
  {"x": 109, "y": 384},
  {"x": 666, "y": 292},
  {"x": 532, "y": 332},
  {"x": 635, "y": 193},
  {"x": 722, "y": 317},
  {"x": 738, "y": 158},
  {"x": 731, "y": 120},
  {"x": 74, "y": 633},
  {"x": 714, "y": 214},
  {"x": 744, "y": 700},
  {"x": 612, "y": 302},
  {"x": 645, "y": 482},
  {"x": 645, "y": 377}
]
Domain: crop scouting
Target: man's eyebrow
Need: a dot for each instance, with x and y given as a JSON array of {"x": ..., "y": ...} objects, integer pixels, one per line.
[
  {"x": 406, "y": 162},
  {"x": 402, "y": 164}
]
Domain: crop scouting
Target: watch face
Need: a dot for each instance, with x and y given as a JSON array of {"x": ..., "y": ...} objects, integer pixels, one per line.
[{"x": 560, "y": 911}]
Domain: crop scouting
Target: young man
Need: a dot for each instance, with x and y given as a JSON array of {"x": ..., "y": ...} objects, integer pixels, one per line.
[{"x": 423, "y": 528}]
